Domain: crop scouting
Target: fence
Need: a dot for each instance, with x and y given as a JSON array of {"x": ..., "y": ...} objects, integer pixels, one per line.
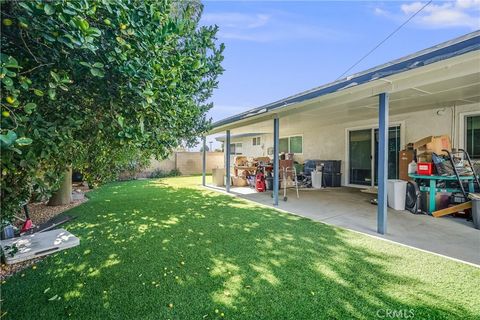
[{"x": 186, "y": 162}]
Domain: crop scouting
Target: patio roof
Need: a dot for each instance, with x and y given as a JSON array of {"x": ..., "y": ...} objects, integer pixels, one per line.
[{"x": 434, "y": 61}]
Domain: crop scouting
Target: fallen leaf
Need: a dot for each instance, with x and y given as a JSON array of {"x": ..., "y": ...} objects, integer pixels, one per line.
[{"x": 53, "y": 298}]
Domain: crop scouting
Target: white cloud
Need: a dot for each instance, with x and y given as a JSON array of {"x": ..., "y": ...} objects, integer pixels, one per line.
[
  {"x": 380, "y": 12},
  {"x": 237, "y": 20},
  {"x": 266, "y": 27},
  {"x": 459, "y": 13}
]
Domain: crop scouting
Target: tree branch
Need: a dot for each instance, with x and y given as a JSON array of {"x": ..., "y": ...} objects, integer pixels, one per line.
[
  {"x": 25, "y": 44},
  {"x": 39, "y": 66}
]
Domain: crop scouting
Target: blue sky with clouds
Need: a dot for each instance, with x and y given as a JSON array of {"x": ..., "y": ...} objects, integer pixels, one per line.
[{"x": 277, "y": 48}]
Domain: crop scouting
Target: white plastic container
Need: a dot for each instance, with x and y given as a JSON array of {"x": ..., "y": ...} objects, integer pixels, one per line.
[
  {"x": 397, "y": 190},
  {"x": 412, "y": 167},
  {"x": 316, "y": 179}
]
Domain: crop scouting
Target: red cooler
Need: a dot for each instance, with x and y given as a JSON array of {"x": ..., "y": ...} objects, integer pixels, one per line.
[{"x": 425, "y": 168}]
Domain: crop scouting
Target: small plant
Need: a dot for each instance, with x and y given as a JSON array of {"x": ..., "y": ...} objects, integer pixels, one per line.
[{"x": 174, "y": 173}]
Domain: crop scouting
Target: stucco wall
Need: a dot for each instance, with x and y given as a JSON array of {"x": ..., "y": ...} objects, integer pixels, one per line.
[
  {"x": 250, "y": 150},
  {"x": 330, "y": 142}
]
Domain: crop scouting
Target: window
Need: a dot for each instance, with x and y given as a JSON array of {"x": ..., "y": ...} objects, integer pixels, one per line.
[
  {"x": 235, "y": 148},
  {"x": 283, "y": 146},
  {"x": 293, "y": 144},
  {"x": 296, "y": 144},
  {"x": 256, "y": 141},
  {"x": 472, "y": 136}
]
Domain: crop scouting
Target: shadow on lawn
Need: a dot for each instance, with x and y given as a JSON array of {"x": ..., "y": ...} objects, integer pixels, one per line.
[{"x": 160, "y": 244}]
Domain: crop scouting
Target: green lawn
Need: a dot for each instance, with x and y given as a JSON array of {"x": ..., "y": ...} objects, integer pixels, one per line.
[{"x": 148, "y": 244}]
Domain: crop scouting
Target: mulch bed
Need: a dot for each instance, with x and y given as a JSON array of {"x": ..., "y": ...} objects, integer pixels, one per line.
[{"x": 40, "y": 212}]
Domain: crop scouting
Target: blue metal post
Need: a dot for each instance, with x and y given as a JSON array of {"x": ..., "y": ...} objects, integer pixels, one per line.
[
  {"x": 382, "y": 163},
  {"x": 227, "y": 161},
  {"x": 204, "y": 160},
  {"x": 276, "y": 129}
]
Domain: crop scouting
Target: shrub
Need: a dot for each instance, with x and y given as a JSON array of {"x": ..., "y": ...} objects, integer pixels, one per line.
[
  {"x": 158, "y": 173},
  {"x": 91, "y": 83}
]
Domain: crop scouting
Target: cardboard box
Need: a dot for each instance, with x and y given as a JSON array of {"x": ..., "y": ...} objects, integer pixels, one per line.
[
  {"x": 409, "y": 146},
  {"x": 433, "y": 144},
  {"x": 424, "y": 157},
  {"x": 404, "y": 159},
  {"x": 239, "y": 182}
]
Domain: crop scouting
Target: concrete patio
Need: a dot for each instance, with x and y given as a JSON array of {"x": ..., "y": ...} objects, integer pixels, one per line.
[{"x": 349, "y": 208}]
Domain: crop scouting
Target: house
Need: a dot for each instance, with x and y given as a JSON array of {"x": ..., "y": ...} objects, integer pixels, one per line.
[
  {"x": 364, "y": 120},
  {"x": 251, "y": 144}
]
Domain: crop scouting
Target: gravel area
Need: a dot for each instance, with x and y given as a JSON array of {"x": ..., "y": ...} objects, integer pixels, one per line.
[{"x": 40, "y": 213}]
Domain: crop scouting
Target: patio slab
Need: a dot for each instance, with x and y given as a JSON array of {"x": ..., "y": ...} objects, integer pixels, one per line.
[{"x": 349, "y": 208}]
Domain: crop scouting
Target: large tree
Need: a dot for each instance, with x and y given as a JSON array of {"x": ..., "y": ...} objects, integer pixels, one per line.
[{"x": 97, "y": 85}]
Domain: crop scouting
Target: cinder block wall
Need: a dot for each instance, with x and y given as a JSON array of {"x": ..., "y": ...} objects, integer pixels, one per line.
[
  {"x": 191, "y": 162},
  {"x": 186, "y": 162}
]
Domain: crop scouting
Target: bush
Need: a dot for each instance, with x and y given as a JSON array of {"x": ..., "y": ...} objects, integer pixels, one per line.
[
  {"x": 158, "y": 173},
  {"x": 89, "y": 83}
]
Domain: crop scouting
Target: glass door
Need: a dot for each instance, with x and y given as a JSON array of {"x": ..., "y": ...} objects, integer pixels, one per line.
[
  {"x": 472, "y": 136},
  {"x": 363, "y": 159},
  {"x": 393, "y": 146},
  {"x": 360, "y": 157}
]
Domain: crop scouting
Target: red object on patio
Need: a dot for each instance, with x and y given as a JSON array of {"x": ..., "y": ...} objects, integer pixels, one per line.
[
  {"x": 425, "y": 168},
  {"x": 260, "y": 185}
]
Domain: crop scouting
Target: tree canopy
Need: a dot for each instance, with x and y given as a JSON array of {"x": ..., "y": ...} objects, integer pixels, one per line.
[{"x": 97, "y": 84}]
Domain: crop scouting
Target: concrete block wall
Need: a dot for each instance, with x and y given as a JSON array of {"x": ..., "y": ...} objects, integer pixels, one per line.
[
  {"x": 191, "y": 162},
  {"x": 186, "y": 162}
]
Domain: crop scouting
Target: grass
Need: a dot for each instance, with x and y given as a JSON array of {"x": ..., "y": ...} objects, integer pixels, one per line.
[{"x": 147, "y": 244}]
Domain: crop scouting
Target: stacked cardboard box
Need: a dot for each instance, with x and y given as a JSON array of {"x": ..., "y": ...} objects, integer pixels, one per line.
[
  {"x": 427, "y": 146},
  {"x": 405, "y": 157}
]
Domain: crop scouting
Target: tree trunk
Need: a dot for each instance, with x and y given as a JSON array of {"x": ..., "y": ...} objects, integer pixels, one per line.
[{"x": 64, "y": 194}]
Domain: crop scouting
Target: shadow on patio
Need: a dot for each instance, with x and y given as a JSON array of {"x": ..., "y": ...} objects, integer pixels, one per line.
[{"x": 351, "y": 209}]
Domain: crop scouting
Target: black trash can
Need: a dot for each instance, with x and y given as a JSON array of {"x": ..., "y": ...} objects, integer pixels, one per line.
[
  {"x": 332, "y": 179},
  {"x": 269, "y": 182}
]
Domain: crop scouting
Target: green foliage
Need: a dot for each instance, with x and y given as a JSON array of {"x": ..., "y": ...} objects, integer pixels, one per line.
[
  {"x": 97, "y": 83},
  {"x": 158, "y": 173}
]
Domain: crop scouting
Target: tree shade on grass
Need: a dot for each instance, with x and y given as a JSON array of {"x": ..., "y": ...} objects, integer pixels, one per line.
[{"x": 167, "y": 249}]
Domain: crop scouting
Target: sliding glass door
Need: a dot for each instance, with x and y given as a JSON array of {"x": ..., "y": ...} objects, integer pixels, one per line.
[
  {"x": 360, "y": 159},
  {"x": 363, "y": 159},
  {"x": 393, "y": 146}
]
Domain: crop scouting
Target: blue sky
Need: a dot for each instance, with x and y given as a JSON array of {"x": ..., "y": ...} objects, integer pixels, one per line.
[{"x": 277, "y": 48}]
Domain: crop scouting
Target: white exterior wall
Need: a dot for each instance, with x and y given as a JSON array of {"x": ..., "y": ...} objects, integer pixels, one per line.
[
  {"x": 330, "y": 142},
  {"x": 249, "y": 150}
]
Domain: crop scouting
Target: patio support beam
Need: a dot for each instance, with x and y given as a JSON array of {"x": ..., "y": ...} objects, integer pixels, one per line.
[
  {"x": 227, "y": 161},
  {"x": 276, "y": 141},
  {"x": 204, "y": 159},
  {"x": 382, "y": 162}
]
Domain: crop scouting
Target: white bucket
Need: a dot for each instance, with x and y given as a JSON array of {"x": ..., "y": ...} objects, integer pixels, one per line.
[{"x": 316, "y": 179}]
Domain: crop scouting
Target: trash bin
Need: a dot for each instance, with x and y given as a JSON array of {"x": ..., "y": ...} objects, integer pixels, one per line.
[
  {"x": 476, "y": 211},
  {"x": 269, "y": 182},
  {"x": 218, "y": 177},
  {"x": 316, "y": 179},
  {"x": 397, "y": 190}
]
